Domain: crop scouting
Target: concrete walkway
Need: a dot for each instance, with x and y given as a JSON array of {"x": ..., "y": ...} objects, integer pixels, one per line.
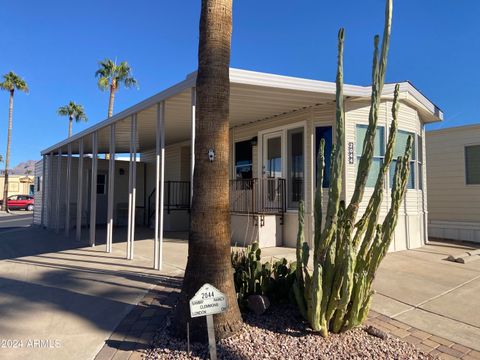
[{"x": 60, "y": 299}]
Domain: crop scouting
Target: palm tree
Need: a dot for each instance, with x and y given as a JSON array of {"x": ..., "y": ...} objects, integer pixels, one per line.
[
  {"x": 73, "y": 111},
  {"x": 209, "y": 238},
  {"x": 111, "y": 76},
  {"x": 10, "y": 83}
]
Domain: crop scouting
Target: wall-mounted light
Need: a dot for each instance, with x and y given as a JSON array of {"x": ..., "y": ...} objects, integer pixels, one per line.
[{"x": 254, "y": 141}]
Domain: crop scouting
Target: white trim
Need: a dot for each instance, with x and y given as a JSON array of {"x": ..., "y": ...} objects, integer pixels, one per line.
[
  {"x": 192, "y": 144},
  {"x": 111, "y": 190},
  {"x": 57, "y": 200}
]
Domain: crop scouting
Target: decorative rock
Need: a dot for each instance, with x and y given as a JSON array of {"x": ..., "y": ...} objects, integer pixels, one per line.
[
  {"x": 258, "y": 304},
  {"x": 376, "y": 332}
]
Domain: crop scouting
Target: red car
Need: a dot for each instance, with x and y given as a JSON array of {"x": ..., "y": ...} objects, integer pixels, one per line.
[{"x": 16, "y": 202}]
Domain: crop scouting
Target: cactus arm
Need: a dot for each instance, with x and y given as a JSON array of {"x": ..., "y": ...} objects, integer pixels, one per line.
[
  {"x": 378, "y": 76},
  {"x": 299, "y": 284},
  {"x": 319, "y": 198},
  {"x": 370, "y": 217}
]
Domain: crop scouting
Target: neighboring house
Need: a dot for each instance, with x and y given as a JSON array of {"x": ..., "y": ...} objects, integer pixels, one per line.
[
  {"x": 453, "y": 173},
  {"x": 276, "y": 126},
  {"x": 17, "y": 185}
]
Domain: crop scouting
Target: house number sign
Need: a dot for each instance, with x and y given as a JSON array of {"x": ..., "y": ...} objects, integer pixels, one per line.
[
  {"x": 350, "y": 154},
  {"x": 208, "y": 300}
]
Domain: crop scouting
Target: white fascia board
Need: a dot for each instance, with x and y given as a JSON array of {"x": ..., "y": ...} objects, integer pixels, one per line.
[{"x": 145, "y": 104}]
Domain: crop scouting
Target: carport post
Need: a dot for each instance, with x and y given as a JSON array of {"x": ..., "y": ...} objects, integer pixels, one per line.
[
  {"x": 50, "y": 191},
  {"x": 67, "y": 190},
  {"x": 57, "y": 195},
  {"x": 78, "y": 228},
  {"x": 192, "y": 156},
  {"x": 160, "y": 181},
  {"x": 44, "y": 167},
  {"x": 132, "y": 187},
  {"x": 111, "y": 189},
  {"x": 93, "y": 190}
]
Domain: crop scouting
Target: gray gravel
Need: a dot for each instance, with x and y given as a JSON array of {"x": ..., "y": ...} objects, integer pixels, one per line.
[{"x": 280, "y": 334}]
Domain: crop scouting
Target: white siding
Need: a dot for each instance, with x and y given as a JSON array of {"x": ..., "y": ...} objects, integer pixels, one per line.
[
  {"x": 409, "y": 232},
  {"x": 37, "y": 211},
  {"x": 454, "y": 206}
]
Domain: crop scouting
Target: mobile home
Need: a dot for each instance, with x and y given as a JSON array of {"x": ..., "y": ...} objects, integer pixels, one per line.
[
  {"x": 453, "y": 174},
  {"x": 276, "y": 123}
]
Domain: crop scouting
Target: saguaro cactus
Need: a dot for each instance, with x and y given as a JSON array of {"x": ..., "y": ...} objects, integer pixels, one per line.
[{"x": 336, "y": 294}]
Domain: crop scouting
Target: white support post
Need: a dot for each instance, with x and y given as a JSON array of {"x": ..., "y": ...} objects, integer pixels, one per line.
[
  {"x": 50, "y": 191},
  {"x": 132, "y": 187},
  {"x": 93, "y": 190},
  {"x": 160, "y": 184},
  {"x": 111, "y": 189},
  {"x": 57, "y": 188},
  {"x": 67, "y": 190},
  {"x": 192, "y": 156},
  {"x": 44, "y": 170},
  {"x": 78, "y": 229}
]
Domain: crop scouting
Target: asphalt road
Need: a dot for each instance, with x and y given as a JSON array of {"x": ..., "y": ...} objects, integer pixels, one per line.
[{"x": 17, "y": 219}]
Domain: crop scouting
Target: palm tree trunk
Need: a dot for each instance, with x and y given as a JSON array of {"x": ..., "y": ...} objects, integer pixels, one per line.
[
  {"x": 111, "y": 101},
  {"x": 7, "y": 155},
  {"x": 70, "y": 122},
  {"x": 209, "y": 241}
]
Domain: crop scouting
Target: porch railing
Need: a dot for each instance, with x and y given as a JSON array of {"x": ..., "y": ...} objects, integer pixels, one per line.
[
  {"x": 176, "y": 196},
  {"x": 247, "y": 196},
  {"x": 258, "y": 196}
]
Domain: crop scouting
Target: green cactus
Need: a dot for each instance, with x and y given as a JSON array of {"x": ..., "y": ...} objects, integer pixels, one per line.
[{"x": 338, "y": 291}]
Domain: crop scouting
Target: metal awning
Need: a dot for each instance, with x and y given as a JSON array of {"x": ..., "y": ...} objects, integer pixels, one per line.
[{"x": 254, "y": 96}]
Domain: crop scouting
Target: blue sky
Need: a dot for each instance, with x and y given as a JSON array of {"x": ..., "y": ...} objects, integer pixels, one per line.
[{"x": 55, "y": 45}]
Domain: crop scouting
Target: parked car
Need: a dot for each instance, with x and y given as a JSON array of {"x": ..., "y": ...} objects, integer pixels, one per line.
[{"x": 16, "y": 202}]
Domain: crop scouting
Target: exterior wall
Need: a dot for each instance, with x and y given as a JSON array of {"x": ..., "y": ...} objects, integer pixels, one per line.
[
  {"x": 177, "y": 168},
  {"x": 37, "y": 210},
  {"x": 410, "y": 230},
  {"x": 454, "y": 206},
  {"x": 120, "y": 197}
]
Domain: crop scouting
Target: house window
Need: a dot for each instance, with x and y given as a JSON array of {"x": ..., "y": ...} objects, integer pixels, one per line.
[
  {"x": 399, "y": 150},
  {"x": 472, "y": 164},
  {"x": 324, "y": 132},
  {"x": 295, "y": 167},
  {"x": 101, "y": 184},
  {"x": 243, "y": 160},
  {"x": 378, "y": 151}
]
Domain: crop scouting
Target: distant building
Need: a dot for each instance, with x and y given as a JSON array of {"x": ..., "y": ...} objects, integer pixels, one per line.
[
  {"x": 18, "y": 185},
  {"x": 453, "y": 173}
]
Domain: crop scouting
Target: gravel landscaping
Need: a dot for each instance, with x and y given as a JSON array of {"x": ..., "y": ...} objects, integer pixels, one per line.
[{"x": 280, "y": 334}]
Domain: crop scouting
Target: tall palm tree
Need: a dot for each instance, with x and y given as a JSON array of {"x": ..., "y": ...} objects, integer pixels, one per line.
[
  {"x": 10, "y": 83},
  {"x": 111, "y": 76},
  {"x": 73, "y": 111},
  {"x": 209, "y": 240}
]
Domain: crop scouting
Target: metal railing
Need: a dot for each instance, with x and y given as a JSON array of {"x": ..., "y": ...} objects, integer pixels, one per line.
[
  {"x": 258, "y": 196},
  {"x": 176, "y": 196}
]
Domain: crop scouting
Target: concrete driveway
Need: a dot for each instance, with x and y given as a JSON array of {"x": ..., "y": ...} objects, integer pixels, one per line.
[
  {"x": 424, "y": 290},
  {"x": 60, "y": 299}
]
